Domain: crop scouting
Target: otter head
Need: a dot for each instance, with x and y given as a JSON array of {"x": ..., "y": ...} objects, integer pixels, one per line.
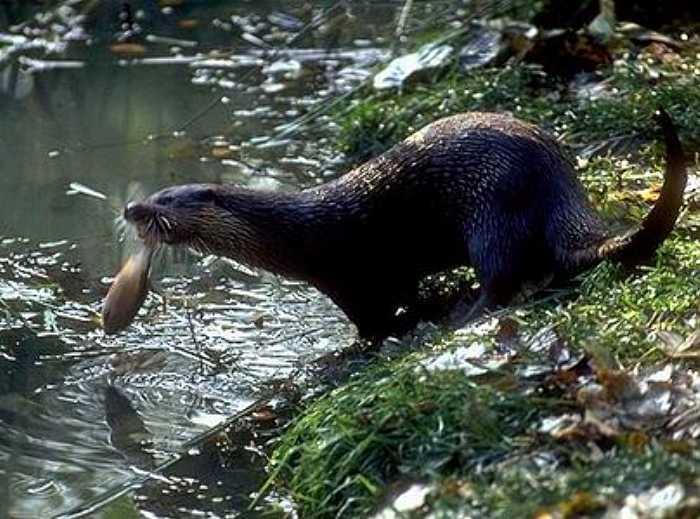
[{"x": 187, "y": 215}]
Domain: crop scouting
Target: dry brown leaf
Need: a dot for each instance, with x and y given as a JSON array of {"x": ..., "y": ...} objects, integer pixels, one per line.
[
  {"x": 128, "y": 49},
  {"x": 188, "y": 23}
]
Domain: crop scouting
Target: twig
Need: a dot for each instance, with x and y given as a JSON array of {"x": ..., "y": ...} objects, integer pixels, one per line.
[{"x": 400, "y": 31}]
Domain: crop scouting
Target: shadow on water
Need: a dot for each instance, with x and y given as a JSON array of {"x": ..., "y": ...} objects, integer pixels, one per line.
[{"x": 125, "y": 97}]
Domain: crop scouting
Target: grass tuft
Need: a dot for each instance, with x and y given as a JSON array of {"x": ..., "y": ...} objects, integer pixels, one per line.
[
  {"x": 393, "y": 421},
  {"x": 631, "y": 93}
]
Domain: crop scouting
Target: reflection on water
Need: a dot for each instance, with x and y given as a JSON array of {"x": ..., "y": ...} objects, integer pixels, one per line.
[{"x": 126, "y": 97}]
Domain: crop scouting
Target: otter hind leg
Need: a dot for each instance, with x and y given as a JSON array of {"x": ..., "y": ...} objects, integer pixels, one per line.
[
  {"x": 504, "y": 258},
  {"x": 495, "y": 292}
]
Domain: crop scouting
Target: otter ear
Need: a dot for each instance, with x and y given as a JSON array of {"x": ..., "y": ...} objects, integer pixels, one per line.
[
  {"x": 200, "y": 194},
  {"x": 212, "y": 193},
  {"x": 209, "y": 194}
]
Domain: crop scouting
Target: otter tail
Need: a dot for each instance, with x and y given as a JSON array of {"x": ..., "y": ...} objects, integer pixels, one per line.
[{"x": 639, "y": 245}]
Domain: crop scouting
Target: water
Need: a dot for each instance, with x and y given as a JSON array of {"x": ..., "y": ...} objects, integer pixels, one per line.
[{"x": 193, "y": 93}]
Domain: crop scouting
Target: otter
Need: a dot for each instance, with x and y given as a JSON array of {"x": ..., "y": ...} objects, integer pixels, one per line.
[{"x": 477, "y": 189}]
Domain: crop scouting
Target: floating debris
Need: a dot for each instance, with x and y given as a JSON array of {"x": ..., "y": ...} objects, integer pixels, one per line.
[
  {"x": 411, "y": 66},
  {"x": 482, "y": 49},
  {"x": 128, "y": 49},
  {"x": 285, "y": 21},
  {"x": 283, "y": 66},
  {"x": 188, "y": 23},
  {"x": 272, "y": 88},
  {"x": 32, "y": 66},
  {"x": 76, "y": 188},
  {"x": 251, "y": 38},
  {"x": 154, "y": 38}
]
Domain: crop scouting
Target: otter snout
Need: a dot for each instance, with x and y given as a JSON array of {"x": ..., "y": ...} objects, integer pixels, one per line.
[
  {"x": 172, "y": 215},
  {"x": 136, "y": 212},
  {"x": 144, "y": 217}
]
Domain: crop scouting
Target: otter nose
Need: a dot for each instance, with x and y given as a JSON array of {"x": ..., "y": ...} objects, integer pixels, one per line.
[{"x": 134, "y": 211}]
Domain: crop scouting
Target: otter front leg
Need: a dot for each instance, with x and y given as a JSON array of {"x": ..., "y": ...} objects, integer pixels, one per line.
[
  {"x": 378, "y": 320},
  {"x": 374, "y": 308},
  {"x": 375, "y": 322}
]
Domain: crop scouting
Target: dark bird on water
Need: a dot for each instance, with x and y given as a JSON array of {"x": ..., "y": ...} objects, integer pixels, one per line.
[{"x": 477, "y": 189}]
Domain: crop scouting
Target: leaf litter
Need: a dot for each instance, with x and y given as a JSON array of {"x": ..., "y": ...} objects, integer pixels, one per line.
[{"x": 609, "y": 402}]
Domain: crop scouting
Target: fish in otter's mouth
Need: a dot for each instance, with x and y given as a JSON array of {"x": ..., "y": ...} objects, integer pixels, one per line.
[{"x": 128, "y": 291}]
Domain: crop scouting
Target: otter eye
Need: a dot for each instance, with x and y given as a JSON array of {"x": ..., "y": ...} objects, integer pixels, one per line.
[{"x": 165, "y": 197}]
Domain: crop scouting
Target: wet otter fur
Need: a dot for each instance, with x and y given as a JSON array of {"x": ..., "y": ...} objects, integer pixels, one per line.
[{"x": 479, "y": 189}]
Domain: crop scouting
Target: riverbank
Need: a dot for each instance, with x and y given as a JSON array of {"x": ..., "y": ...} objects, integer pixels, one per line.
[{"x": 577, "y": 402}]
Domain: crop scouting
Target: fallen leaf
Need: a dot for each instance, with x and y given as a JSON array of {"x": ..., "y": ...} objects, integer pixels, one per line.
[
  {"x": 128, "y": 49},
  {"x": 188, "y": 23},
  {"x": 673, "y": 345}
]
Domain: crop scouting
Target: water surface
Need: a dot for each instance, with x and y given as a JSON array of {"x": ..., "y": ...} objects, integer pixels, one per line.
[{"x": 203, "y": 92}]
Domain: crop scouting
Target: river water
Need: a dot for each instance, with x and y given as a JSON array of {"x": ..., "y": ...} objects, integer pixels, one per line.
[{"x": 126, "y": 100}]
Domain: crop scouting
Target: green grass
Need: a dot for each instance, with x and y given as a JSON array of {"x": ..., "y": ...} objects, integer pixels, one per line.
[
  {"x": 371, "y": 125},
  {"x": 634, "y": 90},
  {"x": 394, "y": 421},
  {"x": 578, "y": 487}
]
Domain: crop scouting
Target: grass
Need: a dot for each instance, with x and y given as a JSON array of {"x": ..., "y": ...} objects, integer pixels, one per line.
[
  {"x": 633, "y": 91},
  {"x": 394, "y": 421},
  {"x": 636, "y": 89},
  {"x": 372, "y": 125},
  {"x": 476, "y": 441},
  {"x": 575, "y": 488}
]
